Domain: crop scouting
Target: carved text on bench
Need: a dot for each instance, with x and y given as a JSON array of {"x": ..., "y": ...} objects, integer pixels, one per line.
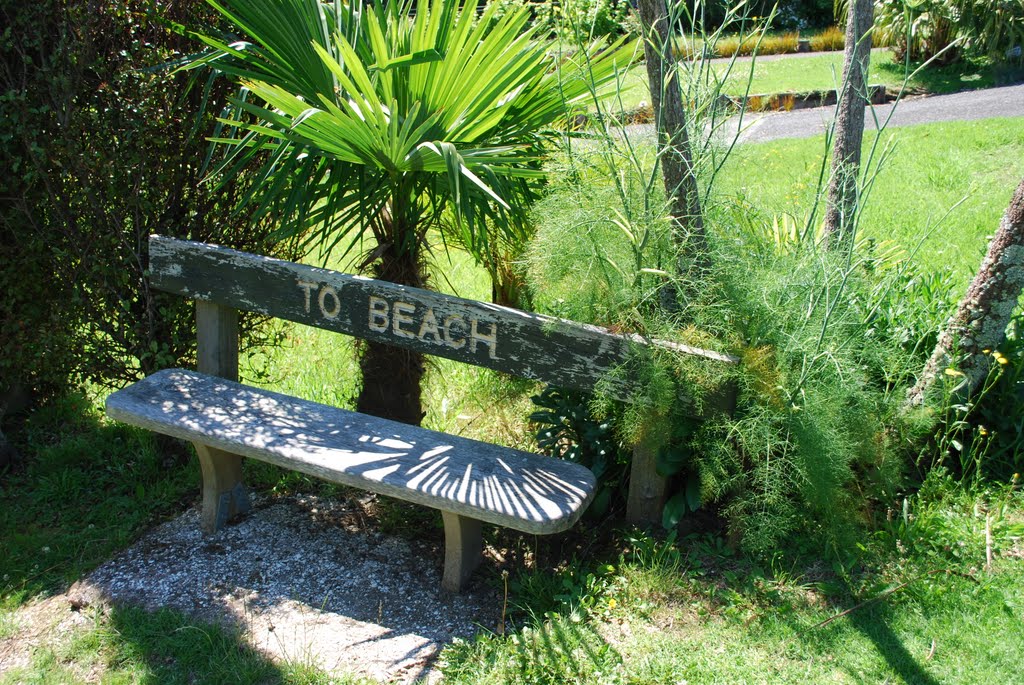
[{"x": 401, "y": 319}]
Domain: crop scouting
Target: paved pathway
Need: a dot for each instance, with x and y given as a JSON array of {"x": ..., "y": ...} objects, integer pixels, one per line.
[{"x": 1007, "y": 101}]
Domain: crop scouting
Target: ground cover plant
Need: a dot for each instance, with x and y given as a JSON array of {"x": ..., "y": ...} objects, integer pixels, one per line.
[{"x": 688, "y": 610}]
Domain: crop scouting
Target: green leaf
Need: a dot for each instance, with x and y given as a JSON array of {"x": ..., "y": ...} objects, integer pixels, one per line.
[
  {"x": 670, "y": 461},
  {"x": 693, "y": 492},
  {"x": 599, "y": 507},
  {"x": 413, "y": 106},
  {"x": 674, "y": 510}
]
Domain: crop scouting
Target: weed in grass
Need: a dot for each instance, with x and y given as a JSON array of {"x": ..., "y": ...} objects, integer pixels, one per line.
[
  {"x": 575, "y": 590},
  {"x": 945, "y": 523},
  {"x": 9, "y": 624},
  {"x": 557, "y": 651},
  {"x": 132, "y": 645},
  {"x": 665, "y": 626}
]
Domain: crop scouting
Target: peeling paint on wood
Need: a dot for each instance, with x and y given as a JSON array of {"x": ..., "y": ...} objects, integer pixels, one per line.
[{"x": 543, "y": 348}]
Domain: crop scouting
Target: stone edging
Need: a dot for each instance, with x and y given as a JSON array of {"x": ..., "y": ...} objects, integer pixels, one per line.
[{"x": 780, "y": 102}]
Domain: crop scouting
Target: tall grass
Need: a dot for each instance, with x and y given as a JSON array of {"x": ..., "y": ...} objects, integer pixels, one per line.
[
  {"x": 831, "y": 38},
  {"x": 778, "y": 44}
]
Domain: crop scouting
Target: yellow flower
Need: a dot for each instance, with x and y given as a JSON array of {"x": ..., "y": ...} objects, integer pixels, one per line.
[
  {"x": 952, "y": 372},
  {"x": 982, "y": 430},
  {"x": 612, "y": 603}
]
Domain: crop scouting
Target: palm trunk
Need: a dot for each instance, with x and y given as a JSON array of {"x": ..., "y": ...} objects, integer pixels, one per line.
[
  {"x": 979, "y": 326},
  {"x": 391, "y": 375},
  {"x": 508, "y": 285},
  {"x": 841, "y": 206}
]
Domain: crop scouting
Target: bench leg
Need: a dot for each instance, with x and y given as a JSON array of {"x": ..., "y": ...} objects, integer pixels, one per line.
[
  {"x": 647, "y": 489},
  {"x": 224, "y": 493},
  {"x": 462, "y": 549}
]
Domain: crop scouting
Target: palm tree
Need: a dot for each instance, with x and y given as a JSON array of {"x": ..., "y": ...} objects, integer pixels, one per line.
[{"x": 376, "y": 125}]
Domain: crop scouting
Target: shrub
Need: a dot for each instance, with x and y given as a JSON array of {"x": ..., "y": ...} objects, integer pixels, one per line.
[
  {"x": 925, "y": 29},
  {"x": 787, "y": 14},
  {"x": 746, "y": 45},
  {"x": 105, "y": 153},
  {"x": 827, "y": 348},
  {"x": 592, "y": 18},
  {"x": 736, "y": 45},
  {"x": 991, "y": 29}
]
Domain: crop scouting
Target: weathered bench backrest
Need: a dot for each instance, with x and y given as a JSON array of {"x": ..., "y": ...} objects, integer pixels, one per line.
[{"x": 534, "y": 346}]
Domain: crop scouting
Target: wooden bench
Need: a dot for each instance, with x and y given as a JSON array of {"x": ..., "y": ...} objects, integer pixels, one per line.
[{"x": 470, "y": 482}]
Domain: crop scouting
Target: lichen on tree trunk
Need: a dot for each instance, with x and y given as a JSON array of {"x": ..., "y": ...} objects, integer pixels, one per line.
[{"x": 979, "y": 325}]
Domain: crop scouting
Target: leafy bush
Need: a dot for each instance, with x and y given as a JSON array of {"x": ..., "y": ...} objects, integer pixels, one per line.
[
  {"x": 1001, "y": 415},
  {"x": 592, "y": 18},
  {"x": 736, "y": 45},
  {"x": 992, "y": 29},
  {"x": 542, "y": 13},
  {"x": 104, "y": 152},
  {"x": 787, "y": 14},
  {"x": 922, "y": 30},
  {"x": 567, "y": 429},
  {"x": 779, "y": 44},
  {"x": 816, "y": 434}
]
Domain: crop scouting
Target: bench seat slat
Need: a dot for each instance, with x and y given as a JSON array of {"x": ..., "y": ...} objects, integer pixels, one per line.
[{"x": 499, "y": 485}]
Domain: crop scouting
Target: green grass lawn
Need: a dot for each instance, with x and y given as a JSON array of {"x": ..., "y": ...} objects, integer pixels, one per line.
[
  {"x": 931, "y": 169},
  {"x": 914, "y": 605},
  {"x": 825, "y": 71},
  {"x": 698, "y": 624}
]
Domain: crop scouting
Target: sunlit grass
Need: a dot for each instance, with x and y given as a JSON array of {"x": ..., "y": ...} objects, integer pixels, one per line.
[
  {"x": 694, "y": 612},
  {"x": 933, "y": 168},
  {"x": 800, "y": 73}
]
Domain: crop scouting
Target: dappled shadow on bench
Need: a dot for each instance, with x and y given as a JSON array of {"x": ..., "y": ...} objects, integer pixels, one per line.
[{"x": 493, "y": 483}]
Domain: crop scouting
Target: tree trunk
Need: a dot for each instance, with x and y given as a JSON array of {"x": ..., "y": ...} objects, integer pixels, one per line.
[
  {"x": 391, "y": 375},
  {"x": 985, "y": 311},
  {"x": 673, "y": 141},
  {"x": 841, "y": 207},
  {"x": 647, "y": 488}
]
